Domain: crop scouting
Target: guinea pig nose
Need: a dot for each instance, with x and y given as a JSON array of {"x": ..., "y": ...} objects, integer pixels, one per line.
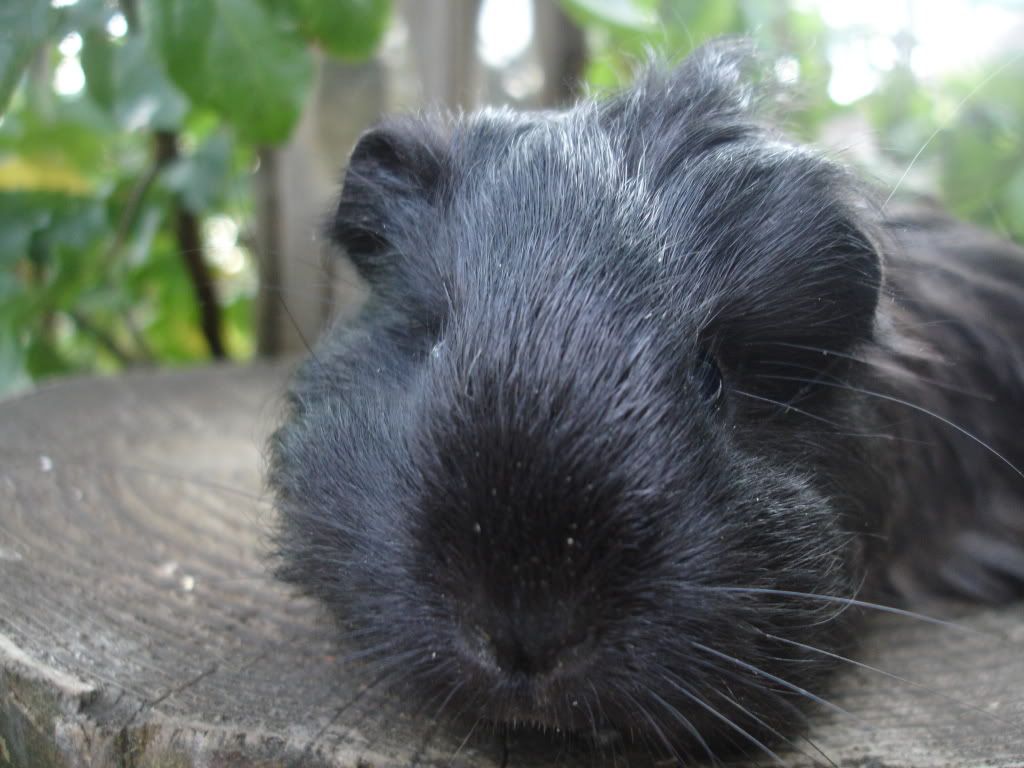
[{"x": 530, "y": 650}]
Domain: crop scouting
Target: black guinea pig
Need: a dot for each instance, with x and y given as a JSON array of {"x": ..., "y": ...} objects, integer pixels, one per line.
[{"x": 646, "y": 399}]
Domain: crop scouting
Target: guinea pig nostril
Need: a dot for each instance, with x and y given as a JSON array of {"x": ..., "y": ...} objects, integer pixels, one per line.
[
  {"x": 502, "y": 651},
  {"x": 530, "y": 653},
  {"x": 479, "y": 644}
]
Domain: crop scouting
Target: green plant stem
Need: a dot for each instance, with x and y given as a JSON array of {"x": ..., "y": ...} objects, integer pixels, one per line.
[
  {"x": 131, "y": 13},
  {"x": 103, "y": 338},
  {"x": 134, "y": 205},
  {"x": 190, "y": 247}
]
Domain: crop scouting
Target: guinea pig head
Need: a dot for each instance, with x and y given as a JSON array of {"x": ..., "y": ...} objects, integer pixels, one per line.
[{"x": 546, "y": 474}]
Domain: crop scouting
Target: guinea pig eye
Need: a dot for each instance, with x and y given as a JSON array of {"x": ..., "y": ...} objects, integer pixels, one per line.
[{"x": 709, "y": 378}]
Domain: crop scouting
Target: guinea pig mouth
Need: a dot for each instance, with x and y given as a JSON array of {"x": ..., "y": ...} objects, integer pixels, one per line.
[
  {"x": 543, "y": 710},
  {"x": 544, "y": 697}
]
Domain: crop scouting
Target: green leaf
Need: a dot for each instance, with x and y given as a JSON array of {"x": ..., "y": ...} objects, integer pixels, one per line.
[
  {"x": 83, "y": 16},
  {"x": 689, "y": 23},
  {"x": 346, "y": 28},
  {"x": 1013, "y": 202},
  {"x": 72, "y": 134},
  {"x": 635, "y": 15},
  {"x": 202, "y": 177},
  {"x": 145, "y": 96},
  {"x": 13, "y": 376},
  {"x": 237, "y": 58},
  {"x": 98, "y": 64},
  {"x": 127, "y": 79},
  {"x": 171, "y": 327},
  {"x": 42, "y": 359},
  {"x": 21, "y": 216},
  {"x": 23, "y": 28}
]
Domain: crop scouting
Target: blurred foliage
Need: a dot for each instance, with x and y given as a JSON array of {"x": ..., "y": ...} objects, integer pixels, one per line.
[
  {"x": 958, "y": 138},
  {"x": 130, "y": 134},
  {"x": 131, "y": 130}
]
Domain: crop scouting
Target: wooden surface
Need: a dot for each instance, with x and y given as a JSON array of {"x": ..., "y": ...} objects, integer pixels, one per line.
[{"x": 138, "y": 626}]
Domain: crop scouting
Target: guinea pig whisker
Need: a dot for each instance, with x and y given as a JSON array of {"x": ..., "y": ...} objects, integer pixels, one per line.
[
  {"x": 949, "y": 121},
  {"x": 379, "y": 585},
  {"x": 786, "y": 407},
  {"x": 591, "y": 718},
  {"x": 913, "y": 406},
  {"x": 817, "y": 749},
  {"x": 315, "y": 290},
  {"x": 897, "y": 678},
  {"x": 872, "y": 436},
  {"x": 450, "y": 693},
  {"x": 822, "y": 376},
  {"x": 383, "y": 681},
  {"x": 780, "y": 698},
  {"x": 435, "y": 728},
  {"x": 428, "y": 738},
  {"x": 597, "y": 703},
  {"x": 842, "y": 607},
  {"x": 393, "y": 705},
  {"x": 506, "y": 736},
  {"x": 797, "y": 713},
  {"x": 652, "y": 723},
  {"x": 848, "y": 601},
  {"x": 670, "y": 679},
  {"x": 684, "y": 721},
  {"x": 760, "y": 721},
  {"x": 757, "y": 671},
  {"x": 298, "y": 331},
  {"x": 464, "y": 741},
  {"x": 339, "y": 711},
  {"x": 428, "y": 675},
  {"x": 885, "y": 365},
  {"x": 370, "y": 651},
  {"x": 399, "y": 667}
]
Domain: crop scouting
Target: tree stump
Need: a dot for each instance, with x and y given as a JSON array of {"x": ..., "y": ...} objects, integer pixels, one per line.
[{"x": 139, "y": 626}]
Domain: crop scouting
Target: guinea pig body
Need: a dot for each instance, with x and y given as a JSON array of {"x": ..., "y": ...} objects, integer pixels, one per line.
[
  {"x": 946, "y": 385},
  {"x": 643, "y": 396}
]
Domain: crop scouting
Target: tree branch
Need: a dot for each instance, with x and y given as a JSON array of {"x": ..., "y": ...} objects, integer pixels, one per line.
[
  {"x": 190, "y": 247},
  {"x": 103, "y": 338}
]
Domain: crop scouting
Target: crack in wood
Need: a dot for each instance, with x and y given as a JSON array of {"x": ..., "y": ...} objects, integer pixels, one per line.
[{"x": 212, "y": 669}]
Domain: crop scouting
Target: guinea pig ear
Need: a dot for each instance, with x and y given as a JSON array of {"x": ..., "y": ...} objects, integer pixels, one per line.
[
  {"x": 392, "y": 183},
  {"x": 807, "y": 296}
]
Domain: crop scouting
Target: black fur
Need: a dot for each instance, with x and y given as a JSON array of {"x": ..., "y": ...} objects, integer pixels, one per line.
[{"x": 626, "y": 387}]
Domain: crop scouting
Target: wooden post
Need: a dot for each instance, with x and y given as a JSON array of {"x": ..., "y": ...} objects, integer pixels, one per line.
[
  {"x": 563, "y": 53},
  {"x": 442, "y": 34},
  {"x": 303, "y": 282}
]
